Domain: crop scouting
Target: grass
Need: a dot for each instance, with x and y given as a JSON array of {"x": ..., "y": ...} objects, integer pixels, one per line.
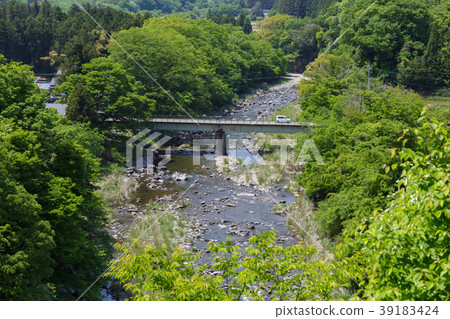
[
  {"x": 115, "y": 186},
  {"x": 439, "y": 108},
  {"x": 159, "y": 227},
  {"x": 437, "y": 101},
  {"x": 292, "y": 110}
]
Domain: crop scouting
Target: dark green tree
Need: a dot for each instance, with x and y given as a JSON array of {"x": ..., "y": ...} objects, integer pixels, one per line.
[
  {"x": 247, "y": 27},
  {"x": 77, "y": 52},
  {"x": 81, "y": 105},
  {"x": 241, "y": 19}
]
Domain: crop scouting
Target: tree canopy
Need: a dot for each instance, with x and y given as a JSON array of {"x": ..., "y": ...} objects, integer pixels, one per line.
[
  {"x": 201, "y": 64},
  {"x": 53, "y": 240},
  {"x": 404, "y": 249}
]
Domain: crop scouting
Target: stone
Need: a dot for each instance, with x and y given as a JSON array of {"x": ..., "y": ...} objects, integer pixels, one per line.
[{"x": 179, "y": 176}]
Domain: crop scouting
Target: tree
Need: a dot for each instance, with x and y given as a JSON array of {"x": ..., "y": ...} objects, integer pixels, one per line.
[
  {"x": 81, "y": 105},
  {"x": 113, "y": 94},
  {"x": 427, "y": 64},
  {"x": 26, "y": 240},
  {"x": 359, "y": 126},
  {"x": 241, "y": 19},
  {"x": 257, "y": 11},
  {"x": 262, "y": 270},
  {"x": 191, "y": 59},
  {"x": 53, "y": 236},
  {"x": 77, "y": 52},
  {"x": 247, "y": 27},
  {"x": 404, "y": 249},
  {"x": 302, "y": 8}
]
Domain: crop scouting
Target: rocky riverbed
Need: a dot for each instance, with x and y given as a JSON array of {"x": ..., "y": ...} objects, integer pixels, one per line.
[{"x": 214, "y": 206}]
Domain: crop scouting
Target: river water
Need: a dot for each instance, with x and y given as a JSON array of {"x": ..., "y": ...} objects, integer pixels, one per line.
[{"x": 219, "y": 208}]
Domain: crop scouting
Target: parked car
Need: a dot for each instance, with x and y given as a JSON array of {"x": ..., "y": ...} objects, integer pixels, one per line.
[
  {"x": 52, "y": 99},
  {"x": 283, "y": 119}
]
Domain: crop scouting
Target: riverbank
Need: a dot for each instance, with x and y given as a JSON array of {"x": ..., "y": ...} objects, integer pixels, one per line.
[
  {"x": 163, "y": 186},
  {"x": 189, "y": 206}
]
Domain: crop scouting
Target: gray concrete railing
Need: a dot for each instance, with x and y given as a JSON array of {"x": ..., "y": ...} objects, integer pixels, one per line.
[{"x": 231, "y": 121}]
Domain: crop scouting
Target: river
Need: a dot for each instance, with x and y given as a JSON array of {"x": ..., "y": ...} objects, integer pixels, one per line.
[{"x": 219, "y": 207}]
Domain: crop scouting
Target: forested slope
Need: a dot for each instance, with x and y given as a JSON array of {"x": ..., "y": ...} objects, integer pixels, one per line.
[
  {"x": 53, "y": 239},
  {"x": 406, "y": 42},
  {"x": 45, "y": 37},
  {"x": 302, "y": 8}
]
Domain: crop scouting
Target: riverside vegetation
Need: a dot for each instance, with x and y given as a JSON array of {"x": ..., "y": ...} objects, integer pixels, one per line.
[
  {"x": 380, "y": 205},
  {"x": 54, "y": 240}
]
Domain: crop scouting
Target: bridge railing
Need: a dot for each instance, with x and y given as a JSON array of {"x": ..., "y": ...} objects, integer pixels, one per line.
[
  {"x": 202, "y": 117},
  {"x": 220, "y": 120}
]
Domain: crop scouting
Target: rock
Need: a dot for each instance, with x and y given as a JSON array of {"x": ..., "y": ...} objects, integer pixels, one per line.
[{"x": 179, "y": 176}]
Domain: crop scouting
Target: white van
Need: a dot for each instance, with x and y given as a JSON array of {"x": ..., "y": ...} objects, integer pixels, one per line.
[{"x": 283, "y": 119}]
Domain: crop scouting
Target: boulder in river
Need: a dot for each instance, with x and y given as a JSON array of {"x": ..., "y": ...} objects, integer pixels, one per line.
[{"x": 179, "y": 176}]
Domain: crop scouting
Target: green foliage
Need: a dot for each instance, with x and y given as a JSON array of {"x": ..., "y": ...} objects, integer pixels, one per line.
[
  {"x": 26, "y": 240},
  {"x": 427, "y": 64},
  {"x": 404, "y": 249},
  {"x": 111, "y": 93},
  {"x": 302, "y": 8},
  {"x": 194, "y": 7},
  {"x": 294, "y": 36},
  {"x": 52, "y": 236},
  {"x": 261, "y": 271},
  {"x": 357, "y": 129},
  {"x": 81, "y": 106},
  {"x": 43, "y": 36},
  {"x": 409, "y": 36},
  {"x": 200, "y": 63}
]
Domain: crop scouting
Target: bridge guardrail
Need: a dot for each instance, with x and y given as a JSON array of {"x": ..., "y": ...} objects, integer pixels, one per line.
[{"x": 226, "y": 121}]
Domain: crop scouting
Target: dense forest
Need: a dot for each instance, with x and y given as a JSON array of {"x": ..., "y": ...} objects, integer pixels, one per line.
[
  {"x": 302, "y": 8},
  {"x": 190, "y": 8},
  {"x": 52, "y": 222},
  {"x": 384, "y": 188},
  {"x": 46, "y": 38},
  {"x": 406, "y": 42},
  {"x": 380, "y": 205},
  {"x": 199, "y": 63}
]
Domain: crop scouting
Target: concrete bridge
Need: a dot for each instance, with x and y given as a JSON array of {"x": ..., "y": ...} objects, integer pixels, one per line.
[{"x": 221, "y": 126}]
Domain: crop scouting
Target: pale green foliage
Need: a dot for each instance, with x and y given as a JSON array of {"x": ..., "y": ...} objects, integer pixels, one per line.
[
  {"x": 116, "y": 185},
  {"x": 261, "y": 271},
  {"x": 405, "y": 249},
  {"x": 358, "y": 127}
]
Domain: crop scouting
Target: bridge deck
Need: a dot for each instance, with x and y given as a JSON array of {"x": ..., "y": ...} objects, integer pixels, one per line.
[
  {"x": 229, "y": 125},
  {"x": 223, "y": 121}
]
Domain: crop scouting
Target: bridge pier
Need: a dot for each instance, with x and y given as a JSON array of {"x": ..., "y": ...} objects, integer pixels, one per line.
[{"x": 221, "y": 143}]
